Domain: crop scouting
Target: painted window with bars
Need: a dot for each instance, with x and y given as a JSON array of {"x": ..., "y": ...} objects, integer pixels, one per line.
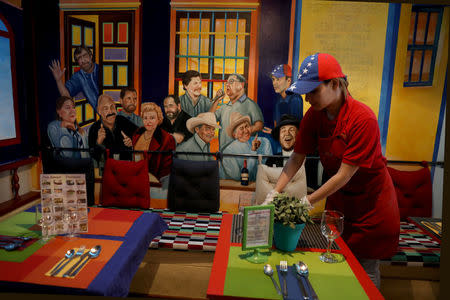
[
  {"x": 422, "y": 45},
  {"x": 214, "y": 43}
]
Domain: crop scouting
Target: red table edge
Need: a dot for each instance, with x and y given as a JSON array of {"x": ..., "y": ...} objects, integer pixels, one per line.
[
  {"x": 219, "y": 268},
  {"x": 220, "y": 263},
  {"x": 432, "y": 236}
]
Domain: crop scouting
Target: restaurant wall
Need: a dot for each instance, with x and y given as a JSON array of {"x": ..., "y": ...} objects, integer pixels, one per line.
[
  {"x": 354, "y": 33},
  {"x": 415, "y": 111}
]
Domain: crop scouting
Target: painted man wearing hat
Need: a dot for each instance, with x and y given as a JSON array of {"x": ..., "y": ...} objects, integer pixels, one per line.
[
  {"x": 239, "y": 102},
  {"x": 203, "y": 127},
  {"x": 243, "y": 143},
  {"x": 290, "y": 104},
  {"x": 345, "y": 132},
  {"x": 285, "y": 132}
]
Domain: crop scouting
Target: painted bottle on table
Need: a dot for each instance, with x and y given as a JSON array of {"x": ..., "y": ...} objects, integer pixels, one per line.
[{"x": 244, "y": 174}]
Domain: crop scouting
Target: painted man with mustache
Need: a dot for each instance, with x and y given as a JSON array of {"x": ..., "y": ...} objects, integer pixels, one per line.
[
  {"x": 85, "y": 80},
  {"x": 128, "y": 100},
  {"x": 111, "y": 131}
]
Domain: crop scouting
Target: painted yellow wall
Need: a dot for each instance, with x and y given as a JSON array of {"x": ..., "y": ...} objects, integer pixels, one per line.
[
  {"x": 92, "y": 18},
  {"x": 354, "y": 33},
  {"x": 415, "y": 110}
]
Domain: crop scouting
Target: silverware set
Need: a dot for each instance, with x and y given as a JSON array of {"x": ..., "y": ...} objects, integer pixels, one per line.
[
  {"x": 13, "y": 243},
  {"x": 301, "y": 273},
  {"x": 83, "y": 258}
]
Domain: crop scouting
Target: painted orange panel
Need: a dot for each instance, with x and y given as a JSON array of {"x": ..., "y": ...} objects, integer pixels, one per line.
[
  {"x": 107, "y": 33},
  {"x": 122, "y": 35}
]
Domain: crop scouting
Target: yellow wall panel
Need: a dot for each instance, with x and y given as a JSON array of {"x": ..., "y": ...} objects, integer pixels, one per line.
[
  {"x": 108, "y": 75},
  {"x": 89, "y": 112},
  {"x": 415, "y": 110},
  {"x": 355, "y": 34},
  {"x": 122, "y": 75},
  {"x": 88, "y": 36},
  {"x": 76, "y": 35},
  {"x": 79, "y": 111}
]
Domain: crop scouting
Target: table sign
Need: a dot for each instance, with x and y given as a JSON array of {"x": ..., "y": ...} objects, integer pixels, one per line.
[
  {"x": 64, "y": 203},
  {"x": 257, "y": 231}
]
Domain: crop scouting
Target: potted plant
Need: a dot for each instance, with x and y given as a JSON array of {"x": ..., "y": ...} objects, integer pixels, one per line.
[{"x": 290, "y": 217}]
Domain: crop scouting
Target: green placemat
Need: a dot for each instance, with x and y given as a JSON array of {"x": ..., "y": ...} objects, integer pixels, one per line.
[
  {"x": 17, "y": 225},
  {"x": 330, "y": 281}
]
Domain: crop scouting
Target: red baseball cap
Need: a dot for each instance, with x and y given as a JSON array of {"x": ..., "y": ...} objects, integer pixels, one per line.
[{"x": 313, "y": 71}]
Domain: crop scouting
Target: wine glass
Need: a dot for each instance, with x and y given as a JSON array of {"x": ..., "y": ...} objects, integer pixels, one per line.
[
  {"x": 46, "y": 223},
  {"x": 73, "y": 221},
  {"x": 332, "y": 225}
]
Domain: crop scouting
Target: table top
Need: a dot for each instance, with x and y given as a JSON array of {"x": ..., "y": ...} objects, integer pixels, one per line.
[
  {"x": 232, "y": 276},
  {"x": 124, "y": 236}
]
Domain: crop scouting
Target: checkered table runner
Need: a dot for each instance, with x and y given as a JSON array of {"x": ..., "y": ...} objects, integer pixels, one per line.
[
  {"x": 188, "y": 231},
  {"x": 415, "y": 248}
]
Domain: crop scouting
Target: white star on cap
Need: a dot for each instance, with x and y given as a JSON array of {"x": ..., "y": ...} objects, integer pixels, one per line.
[
  {"x": 309, "y": 64},
  {"x": 312, "y": 57},
  {"x": 305, "y": 71}
]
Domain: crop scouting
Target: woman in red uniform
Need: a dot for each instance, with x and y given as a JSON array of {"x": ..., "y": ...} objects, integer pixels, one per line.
[{"x": 346, "y": 134}]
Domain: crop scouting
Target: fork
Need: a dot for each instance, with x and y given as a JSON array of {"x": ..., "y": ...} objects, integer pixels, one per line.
[
  {"x": 284, "y": 271},
  {"x": 79, "y": 252}
]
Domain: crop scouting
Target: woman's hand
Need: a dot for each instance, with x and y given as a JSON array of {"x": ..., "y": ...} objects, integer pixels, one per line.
[
  {"x": 126, "y": 140},
  {"x": 269, "y": 197}
]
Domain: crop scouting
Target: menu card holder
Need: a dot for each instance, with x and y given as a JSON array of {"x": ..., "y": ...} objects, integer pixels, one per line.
[{"x": 257, "y": 231}]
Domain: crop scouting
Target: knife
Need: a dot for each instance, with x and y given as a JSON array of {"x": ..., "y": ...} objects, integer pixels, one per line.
[{"x": 82, "y": 257}]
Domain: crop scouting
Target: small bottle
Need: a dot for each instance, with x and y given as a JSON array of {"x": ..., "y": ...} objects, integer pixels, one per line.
[{"x": 244, "y": 174}]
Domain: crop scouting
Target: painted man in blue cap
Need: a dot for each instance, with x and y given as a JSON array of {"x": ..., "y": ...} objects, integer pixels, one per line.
[{"x": 284, "y": 103}]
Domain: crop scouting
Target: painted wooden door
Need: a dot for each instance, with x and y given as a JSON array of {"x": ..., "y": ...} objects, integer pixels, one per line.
[{"x": 80, "y": 33}]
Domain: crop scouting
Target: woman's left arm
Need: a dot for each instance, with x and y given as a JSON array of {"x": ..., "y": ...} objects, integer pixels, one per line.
[{"x": 343, "y": 175}]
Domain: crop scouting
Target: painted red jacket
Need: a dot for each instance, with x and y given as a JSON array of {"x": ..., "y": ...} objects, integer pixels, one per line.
[{"x": 159, "y": 164}]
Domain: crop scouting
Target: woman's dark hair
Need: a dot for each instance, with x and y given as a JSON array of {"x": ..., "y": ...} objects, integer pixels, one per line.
[
  {"x": 59, "y": 104},
  {"x": 188, "y": 75}
]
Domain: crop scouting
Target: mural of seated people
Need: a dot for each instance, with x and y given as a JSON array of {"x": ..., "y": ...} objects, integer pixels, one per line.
[
  {"x": 203, "y": 126},
  {"x": 240, "y": 130},
  {"x": 64, "y": 132},
  {"x": 151, "y": 137},
  {"x": 111, "y": 131}
]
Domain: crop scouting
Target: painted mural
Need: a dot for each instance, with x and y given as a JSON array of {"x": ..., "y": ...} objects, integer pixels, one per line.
[{"x": 194, "y": 61}]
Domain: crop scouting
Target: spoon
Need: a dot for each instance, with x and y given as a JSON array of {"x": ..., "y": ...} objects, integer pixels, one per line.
[
  {"x": 269, "y": 272},
  {"x": 93, "y": 253},
  {"x": 68, "y": 256},
  {"x": 302, "y": 270}
]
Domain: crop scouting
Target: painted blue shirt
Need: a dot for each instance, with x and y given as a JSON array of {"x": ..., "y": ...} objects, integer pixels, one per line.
[
  {"x": 246, "y": 107},
  {"x": 292, "y": 105},
  {"x": 61, "y": 137},
  {"x": 194, "y": 144},
  {"x": 137, "y": 120},
  {"x": 86, "y": 83},
  {"x": 231, "y": 167}
]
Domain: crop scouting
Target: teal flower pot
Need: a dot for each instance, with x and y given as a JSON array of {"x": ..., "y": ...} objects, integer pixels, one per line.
[{"x": 286, "y": 238}]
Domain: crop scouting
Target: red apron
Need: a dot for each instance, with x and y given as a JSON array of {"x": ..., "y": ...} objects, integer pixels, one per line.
[{"x": 368, "y": 201}]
